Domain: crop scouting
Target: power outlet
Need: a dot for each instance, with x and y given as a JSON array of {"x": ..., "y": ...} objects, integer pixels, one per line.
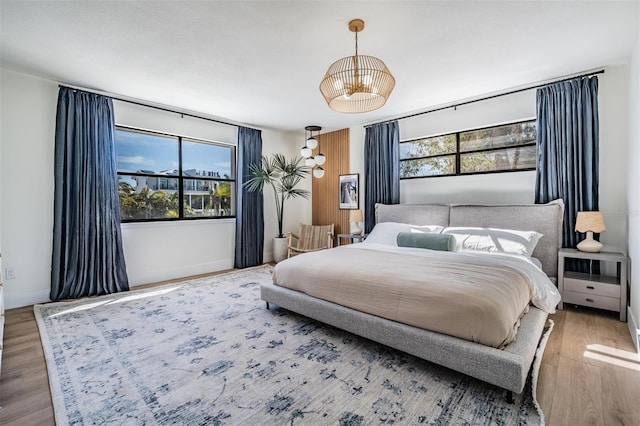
[{"x": 10, "y": 273}]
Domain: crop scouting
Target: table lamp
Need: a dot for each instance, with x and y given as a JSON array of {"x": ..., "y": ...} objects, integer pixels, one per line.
[
  {"x": 590, "y": 222},
  {"x": 356, "y": 217}
]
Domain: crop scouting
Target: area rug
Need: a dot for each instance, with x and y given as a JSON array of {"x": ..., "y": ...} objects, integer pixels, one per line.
[{"x": 208, "y": 352}]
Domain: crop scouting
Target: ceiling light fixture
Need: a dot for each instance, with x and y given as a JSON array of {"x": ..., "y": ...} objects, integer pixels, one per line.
[
  {"x": 357, "y": 83},
  {"x": 312, "y": 143}
]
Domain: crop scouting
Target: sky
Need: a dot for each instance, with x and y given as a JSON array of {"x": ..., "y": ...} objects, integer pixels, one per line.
[{"x": 156, "y": 153}]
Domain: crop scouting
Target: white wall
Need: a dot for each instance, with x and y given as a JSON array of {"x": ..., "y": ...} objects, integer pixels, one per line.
[
  {"x": 296, "y": 210},
  {"x": 633, "y": 193},
  {"x": 153, "y": 251},
  {"x": 613, "y": 95},
  {"x": 26, "y": 142},
  {"x": 518, "y": 187}
]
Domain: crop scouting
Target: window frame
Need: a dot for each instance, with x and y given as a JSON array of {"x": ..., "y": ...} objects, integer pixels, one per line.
[
  {"x": 180, "y": 177},
  {"x": 459, "y": 153}
]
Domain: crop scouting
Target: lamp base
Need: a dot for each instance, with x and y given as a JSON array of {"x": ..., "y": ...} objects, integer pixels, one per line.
[
  {"x": 589, "y": 245},
  {"x": 356, "y": 230}
]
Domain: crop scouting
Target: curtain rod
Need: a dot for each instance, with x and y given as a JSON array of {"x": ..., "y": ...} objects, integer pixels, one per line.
[
  {"x": 511, "y": 92},
  {"x": 117, "y": 98}
]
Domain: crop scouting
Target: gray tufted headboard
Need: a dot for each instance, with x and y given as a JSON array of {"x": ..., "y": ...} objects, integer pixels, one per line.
[{"x": 543, "y": 218}]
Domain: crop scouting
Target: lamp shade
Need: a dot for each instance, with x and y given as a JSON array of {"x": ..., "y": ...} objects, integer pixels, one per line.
[
  {"x": 306, "y": 152},
  {"x": 320, "y": 159},
  {"x": 355, "y": 216},
  {"x": 318, "y": 172},
  {"x": 590, "y": 221},
  {"x": 357, "y": 84},
  {"x": 312, "y": 143}
]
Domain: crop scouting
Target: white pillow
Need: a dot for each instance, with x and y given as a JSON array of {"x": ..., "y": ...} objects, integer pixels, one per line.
[
  {"x": 495, "y": 240},
  {"x": 387, "y": 232}
]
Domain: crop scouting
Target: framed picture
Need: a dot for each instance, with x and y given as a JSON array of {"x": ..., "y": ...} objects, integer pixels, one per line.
[{"x": 348, "y": 191}]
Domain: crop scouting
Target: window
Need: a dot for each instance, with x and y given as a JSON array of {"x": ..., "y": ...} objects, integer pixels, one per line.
[
  {"x": 506, "y": 148},
  {"x": 163, "y": 177}
]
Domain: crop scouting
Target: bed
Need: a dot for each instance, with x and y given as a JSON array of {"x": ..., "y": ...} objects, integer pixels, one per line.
[{"x": 504, "y": 365}]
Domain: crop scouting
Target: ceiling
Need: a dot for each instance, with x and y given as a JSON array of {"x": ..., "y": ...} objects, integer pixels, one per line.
[{"x": 260, "y": 62}]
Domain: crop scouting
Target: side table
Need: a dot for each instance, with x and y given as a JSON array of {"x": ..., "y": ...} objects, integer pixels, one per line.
[
  {"x": 355, "y": 238},
  {"x": 597, "y": 291}
]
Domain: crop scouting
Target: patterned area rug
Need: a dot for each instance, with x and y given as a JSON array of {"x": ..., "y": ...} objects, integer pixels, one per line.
[{"x": 207, "y": 351}]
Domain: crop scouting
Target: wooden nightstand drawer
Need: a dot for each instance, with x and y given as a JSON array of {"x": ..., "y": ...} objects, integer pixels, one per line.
[
  {"x": 593, "y": 300},
  {"x": 598, "y": 285}
]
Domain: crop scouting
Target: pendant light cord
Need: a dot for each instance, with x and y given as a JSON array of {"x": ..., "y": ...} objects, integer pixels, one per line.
[{"x": 356, "y": 44}]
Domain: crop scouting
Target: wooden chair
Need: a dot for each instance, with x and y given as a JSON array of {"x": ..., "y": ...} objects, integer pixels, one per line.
[{"x": 312, "y": 238}]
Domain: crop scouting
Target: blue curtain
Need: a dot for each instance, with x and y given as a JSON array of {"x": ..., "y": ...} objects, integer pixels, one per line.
[
  {"x": 249, "y": 205},
  {"x": 381, "y": 168},
  {"x": 87, "y": 244},
  {"x": 567, "y": 151}
]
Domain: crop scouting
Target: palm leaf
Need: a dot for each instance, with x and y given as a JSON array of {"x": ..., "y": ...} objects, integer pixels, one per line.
[{"x": 283, "y": 176}]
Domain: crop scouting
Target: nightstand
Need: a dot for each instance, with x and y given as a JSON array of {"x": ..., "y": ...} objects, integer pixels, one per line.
[
  {"x": 355, "y": 238},
  {"x": 597, "y": 291}
]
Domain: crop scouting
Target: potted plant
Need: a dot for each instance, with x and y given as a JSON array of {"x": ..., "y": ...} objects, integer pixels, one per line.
[{"x": 283, "y": 176}]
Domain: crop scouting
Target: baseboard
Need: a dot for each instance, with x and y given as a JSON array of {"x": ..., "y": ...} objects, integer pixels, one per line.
[
  {"x": 42, "y": 296},
  {"x": 157, "y": 275},
  {"x": 12, "y": 301},
  {"x": 633, "y": 329}
]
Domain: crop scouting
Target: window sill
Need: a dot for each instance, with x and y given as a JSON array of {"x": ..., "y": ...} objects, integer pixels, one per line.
[{"x": 182, "y": 223}]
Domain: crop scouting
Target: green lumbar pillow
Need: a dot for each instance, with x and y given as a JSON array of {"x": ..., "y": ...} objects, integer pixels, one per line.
[{"x": 425, "y": 240}]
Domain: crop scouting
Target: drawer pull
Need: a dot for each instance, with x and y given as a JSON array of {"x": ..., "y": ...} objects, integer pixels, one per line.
[
  {"x": 590, "y": 287},
  {"x": 589, "y": 300}
]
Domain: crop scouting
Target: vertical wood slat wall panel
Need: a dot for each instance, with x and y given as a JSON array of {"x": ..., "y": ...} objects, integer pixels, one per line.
[{"x": 325, "y": 194}]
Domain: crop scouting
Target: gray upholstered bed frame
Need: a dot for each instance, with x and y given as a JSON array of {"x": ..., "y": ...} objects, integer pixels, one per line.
[{"x": 508, "y": 367}]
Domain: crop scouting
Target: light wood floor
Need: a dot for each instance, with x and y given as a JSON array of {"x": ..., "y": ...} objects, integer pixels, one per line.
[{"x": 590, "y": 372}]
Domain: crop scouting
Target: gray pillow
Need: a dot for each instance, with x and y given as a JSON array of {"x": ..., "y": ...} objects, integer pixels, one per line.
[{"x": 442, "y": 242}]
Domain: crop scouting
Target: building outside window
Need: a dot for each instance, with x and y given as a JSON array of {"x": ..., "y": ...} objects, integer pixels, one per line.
[
  {"x": 164, "y": 177},
  {"x": 504, "y": 148}
]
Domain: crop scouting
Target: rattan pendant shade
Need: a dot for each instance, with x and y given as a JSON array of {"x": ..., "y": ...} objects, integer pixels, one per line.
[{"x": 357, "y": 83}]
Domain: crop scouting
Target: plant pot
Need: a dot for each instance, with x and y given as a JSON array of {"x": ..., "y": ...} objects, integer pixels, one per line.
[{"x": 280, "y": 247}]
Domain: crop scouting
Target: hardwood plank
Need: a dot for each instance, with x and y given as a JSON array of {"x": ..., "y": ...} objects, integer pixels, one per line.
[
  {"x": 578, "y": 394},
  {"x": 621, "y": 393},
  {"x": 580, "y": 322},
  {"x": 588, "y": 328},
  {"x": 609, "y": 325},
  {"x": 577, "y": 346},
  {"x": 554, "y": 345},
  {"x": 546, "y": 387},
  {"x": 21, "y": 408},
  {"x": 42, "y": 417}
]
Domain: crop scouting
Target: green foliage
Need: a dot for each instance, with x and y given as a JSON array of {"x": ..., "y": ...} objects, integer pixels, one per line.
[
  {"x": 507, "y": 147},
  {"x": 149, "y": 204},
  {"x": 436, "y": 145},
  {"x": 282, "y": 176}
]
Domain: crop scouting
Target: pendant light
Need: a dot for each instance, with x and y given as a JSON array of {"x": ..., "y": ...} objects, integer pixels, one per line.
[
  {"x": 312, "y": 143},
  {"x": 357, "y": 83}
]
